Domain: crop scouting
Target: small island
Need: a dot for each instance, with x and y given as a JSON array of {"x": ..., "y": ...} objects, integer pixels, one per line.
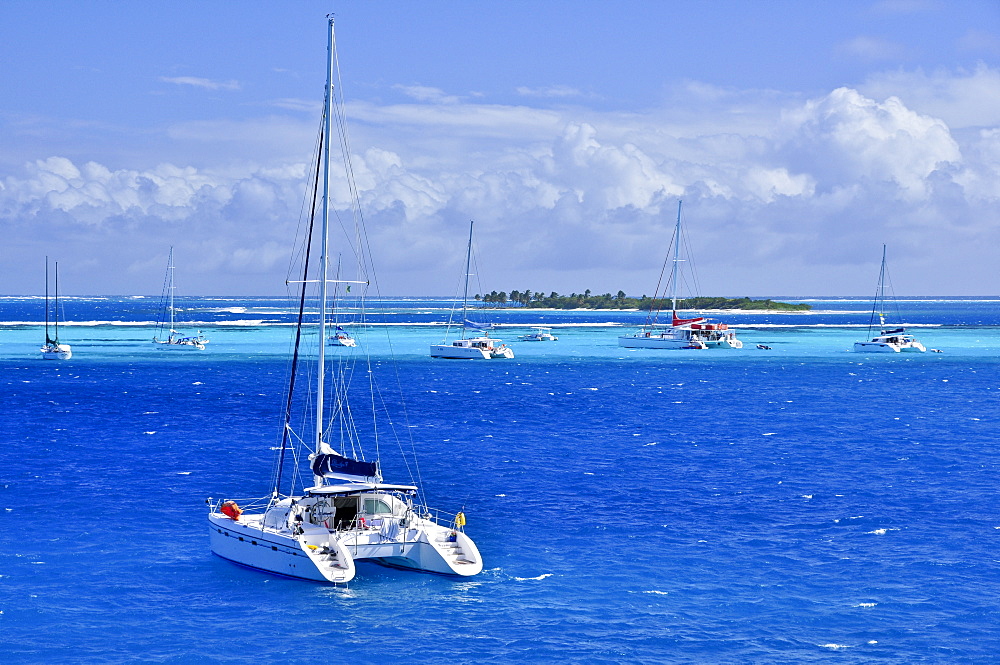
[{"x": 587, "y": 300}]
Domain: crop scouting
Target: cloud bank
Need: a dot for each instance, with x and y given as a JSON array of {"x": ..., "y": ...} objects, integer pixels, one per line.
[{"x": 781, "y": 195}]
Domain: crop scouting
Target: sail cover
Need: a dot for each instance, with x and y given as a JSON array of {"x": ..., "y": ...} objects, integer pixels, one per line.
[
  {"x": 478, "y": 326},
  {"x": 334, "y": 465},
  {"x": 680, "y": 322}
]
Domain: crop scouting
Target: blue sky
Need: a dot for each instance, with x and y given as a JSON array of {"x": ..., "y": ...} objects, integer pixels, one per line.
[{"x": 800, "y": 135}]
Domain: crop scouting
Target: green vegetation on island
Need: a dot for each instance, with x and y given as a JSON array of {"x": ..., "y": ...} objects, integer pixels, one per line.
[{"x": 587, "y": 300}]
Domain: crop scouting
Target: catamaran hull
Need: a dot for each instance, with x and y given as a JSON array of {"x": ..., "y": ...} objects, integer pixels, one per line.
[
  {"x": 458, "y": 352},
  {"x": 261, "y": 550},
  {"x": 170, "y": 346},
  {"x": 429, "y": 549},
  {"x": 723, "y": 343},
  {"x": 876, "y": 347},
  {"x": 653, "y": 342}
]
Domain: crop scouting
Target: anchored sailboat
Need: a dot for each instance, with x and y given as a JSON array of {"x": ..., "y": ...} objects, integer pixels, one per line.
[
  {"x": 340, "y": 336},
  {"x": 174, "y": 340},
  {"x": 540, "y": 334},
  {"x": 348, "y": 513},
  {"x": 888, "y": 340},
  {"x": 53, "y": 350},
  {"x": 694, "y": 333},
  {"x": 481, "y": 347}
]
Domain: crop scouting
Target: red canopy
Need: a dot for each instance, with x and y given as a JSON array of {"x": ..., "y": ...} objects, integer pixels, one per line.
[{"x": 680, "y": 322}]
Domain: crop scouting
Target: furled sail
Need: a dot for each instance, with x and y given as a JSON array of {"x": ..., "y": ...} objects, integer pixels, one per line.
[{"x": 333, "y": 465}]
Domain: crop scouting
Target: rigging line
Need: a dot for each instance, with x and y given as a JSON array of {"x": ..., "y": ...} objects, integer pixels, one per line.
[
  {"x": 695, "y": 286},
  {"x": 477, "y": 271},
  {"x": 360, "y": 236},
  {"x": 879, "y": 293},
  {"x": 654, "y": 310},
  {"x": 345, "y": 147},
  {"x": 454, "y": 305},
  {"x": 295, "y": 257},
  {"x": 298, "y": 333},
  {"x": 893, "y": 301},
  {"x": 365, "y": 254},
  {"x": 163, "y": 303},
  {"x": 48, "y": 340}
]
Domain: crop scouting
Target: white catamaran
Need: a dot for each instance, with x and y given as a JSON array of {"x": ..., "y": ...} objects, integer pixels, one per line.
[
  {"x": 482, "y": 347},
  {"x": 540, "y": 334},
  {"x": 347, "y": 513},
  {"x": 174, "y": 340},
  {"x": 694, "y": 333},
  {"x": 888, "y": 340},
  {"x": 53, "y": 350}
]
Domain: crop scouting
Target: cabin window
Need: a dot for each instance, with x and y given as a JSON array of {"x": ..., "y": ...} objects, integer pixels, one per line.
[{"x": 377, "y": 507}]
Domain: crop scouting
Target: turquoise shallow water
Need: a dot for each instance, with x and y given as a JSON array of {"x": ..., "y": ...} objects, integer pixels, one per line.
[{"x": 804, "y": 504}]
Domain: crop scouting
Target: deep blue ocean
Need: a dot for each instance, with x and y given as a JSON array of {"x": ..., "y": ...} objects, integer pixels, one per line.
[{"x": 803, "y": 504}]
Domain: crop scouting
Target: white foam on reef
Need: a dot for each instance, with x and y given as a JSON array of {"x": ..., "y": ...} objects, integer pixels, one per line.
[{"x": 540, "y": 577}]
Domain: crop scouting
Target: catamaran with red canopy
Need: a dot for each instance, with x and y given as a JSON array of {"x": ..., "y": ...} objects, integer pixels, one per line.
[{"x": 696, "y": 333}]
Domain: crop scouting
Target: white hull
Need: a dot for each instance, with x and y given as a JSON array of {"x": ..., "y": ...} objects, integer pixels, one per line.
[
  {"x": 656, "y": 342},
  {"x": 458, "y": 352},
  {"x": 876, "y": 347},
  {"x": 540, "y": 335},
  {"x": 895, "y": 343},
  {"x": 669, "y": 340},
  {"x": 476, "y": 348},
  {"x": 60, "y": 352},
  {"x": 178, "y": 346},
  {"x": 325, "y": 555},
  {"x": 342, "y": 341}
]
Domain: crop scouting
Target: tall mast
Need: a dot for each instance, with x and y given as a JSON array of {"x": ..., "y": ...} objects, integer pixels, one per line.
[
  {"x": 170, "y": 287},
  {"x": 677, "y": 247},
  {"x": 881, "y": 290},
  {"x": 879, "y": 295},
  {"x": 468, "y": 267},
  {"x": 881, "y": 281},
  {"x": 48, "y": 340},
  {"x": 324, "y": 244},
  {"x": 56, "y": 314}
]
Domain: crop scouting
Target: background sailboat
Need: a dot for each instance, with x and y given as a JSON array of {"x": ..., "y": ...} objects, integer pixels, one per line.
[
  {"x": 888, "y": 340},
  {"x": 174, "y": 340},
  {"x": 340, "y": 336},
  {"x": 480, "y": 347},
  {"x": 53, "y": 350},
  {"x": 694, "y": 333}
]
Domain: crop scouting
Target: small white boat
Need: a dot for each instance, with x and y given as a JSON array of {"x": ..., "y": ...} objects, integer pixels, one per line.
[
  {"x": 540, "y": 335},
  {"x": 482, "y": 347},
  {"x": 895, "y": 340},
  {"x": 53, "y": 350},
  {"x": 341, "y": 338},
  {"x": 347, "y": 514},
  {"x": 174, "y": 340},
  {"x": 697, "y": 333}
]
